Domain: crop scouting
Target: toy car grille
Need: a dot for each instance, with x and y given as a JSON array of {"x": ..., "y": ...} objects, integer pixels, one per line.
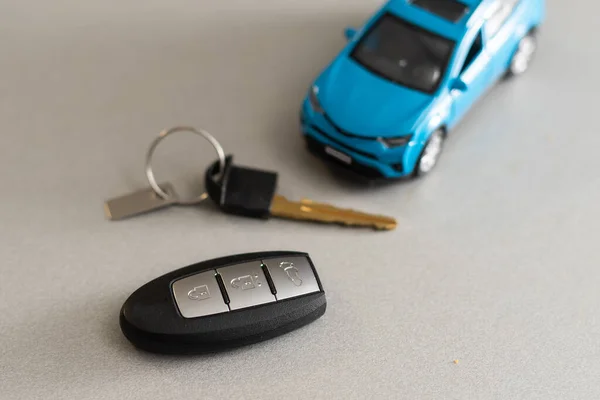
[{"x": 345, "y": 133}]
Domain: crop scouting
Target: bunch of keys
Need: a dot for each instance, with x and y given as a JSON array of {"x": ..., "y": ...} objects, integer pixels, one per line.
[{"x": 236, "y": 190}]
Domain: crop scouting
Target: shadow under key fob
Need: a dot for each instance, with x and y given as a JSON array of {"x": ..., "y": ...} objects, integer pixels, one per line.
[{"x": 224, "y": 303}]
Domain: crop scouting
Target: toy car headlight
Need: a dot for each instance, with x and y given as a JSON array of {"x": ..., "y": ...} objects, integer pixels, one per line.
[
  {"x": 396, "y": 141},
  {"x": 314, "y": 100}
]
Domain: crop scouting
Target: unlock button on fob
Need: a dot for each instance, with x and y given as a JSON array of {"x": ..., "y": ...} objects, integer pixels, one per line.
[
  {"x": 246, "y": 285},
  {"x": 292, "y": 276}
]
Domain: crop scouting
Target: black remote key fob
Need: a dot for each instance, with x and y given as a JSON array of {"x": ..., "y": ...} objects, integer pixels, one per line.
[{"x": 224, "y": 303}]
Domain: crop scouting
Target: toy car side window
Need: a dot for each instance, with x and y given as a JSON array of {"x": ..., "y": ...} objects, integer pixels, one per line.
[
  {"x": 503, "y": 10},
  {"x": 474, "y": 51}
]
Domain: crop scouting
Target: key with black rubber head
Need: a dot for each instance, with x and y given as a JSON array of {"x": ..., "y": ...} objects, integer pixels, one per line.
[
  {"x": 251, "y": 192},
  {"x": 224, "y": 303}
]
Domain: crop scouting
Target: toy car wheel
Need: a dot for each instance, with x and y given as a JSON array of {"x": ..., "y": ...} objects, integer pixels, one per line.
[
  {"x": 430, "y": 154},
  {"x": 523, "y": 56}
]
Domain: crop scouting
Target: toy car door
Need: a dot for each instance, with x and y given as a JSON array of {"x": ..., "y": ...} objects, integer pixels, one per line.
[
  {"x": 473, "y": 78},
  {"x": 503, "y": 30}
]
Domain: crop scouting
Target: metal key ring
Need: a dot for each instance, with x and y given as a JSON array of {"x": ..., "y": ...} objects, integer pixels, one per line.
[{"x": 150, "y": 174}]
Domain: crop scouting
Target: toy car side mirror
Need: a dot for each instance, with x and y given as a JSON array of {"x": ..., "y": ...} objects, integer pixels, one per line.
[
  {"x": 350, "y": 33},
  {"x": 458, "y": 84}
]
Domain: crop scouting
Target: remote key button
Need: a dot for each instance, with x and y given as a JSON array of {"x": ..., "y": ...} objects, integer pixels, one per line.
[
  {"x": 292, "y": 276},
  {"x": 199, "y": 295},
  {"x": 246, "y": 285}
]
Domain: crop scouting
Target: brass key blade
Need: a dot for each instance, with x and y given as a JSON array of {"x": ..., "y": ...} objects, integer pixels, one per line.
[{"x": 312, "y": 211}]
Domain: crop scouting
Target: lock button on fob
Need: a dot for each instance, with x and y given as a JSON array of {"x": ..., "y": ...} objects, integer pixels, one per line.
[
  {"x": 199, "y": 295},
  {"x": 223, "y": 303}
]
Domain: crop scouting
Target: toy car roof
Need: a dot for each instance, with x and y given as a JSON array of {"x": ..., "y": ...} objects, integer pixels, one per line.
[{"x": 449, "y": 18}]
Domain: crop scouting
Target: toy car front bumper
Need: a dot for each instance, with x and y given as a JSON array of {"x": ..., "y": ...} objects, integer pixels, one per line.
[{"x": 362, "y": 164}]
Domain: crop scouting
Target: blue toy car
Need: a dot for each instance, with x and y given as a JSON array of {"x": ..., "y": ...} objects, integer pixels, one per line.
[{"x": 386, "y": 103}]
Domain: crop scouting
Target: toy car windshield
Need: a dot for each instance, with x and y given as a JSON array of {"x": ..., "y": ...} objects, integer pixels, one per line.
[{"x": 404, "y": 54}]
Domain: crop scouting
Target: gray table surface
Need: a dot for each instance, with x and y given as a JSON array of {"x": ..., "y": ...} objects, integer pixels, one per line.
[{"x": 494, "y": 263}]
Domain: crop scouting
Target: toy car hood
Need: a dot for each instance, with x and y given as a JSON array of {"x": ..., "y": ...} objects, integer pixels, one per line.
[{"x": 365, "y": 104}]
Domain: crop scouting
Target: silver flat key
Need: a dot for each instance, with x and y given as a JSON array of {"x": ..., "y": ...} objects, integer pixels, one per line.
[
  {"x": 140, "y": 202},
  {"x": 158, "y": 196}
]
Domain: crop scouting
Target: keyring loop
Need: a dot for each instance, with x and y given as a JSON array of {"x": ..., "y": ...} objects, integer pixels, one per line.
[{"x": 150, "y": 174}]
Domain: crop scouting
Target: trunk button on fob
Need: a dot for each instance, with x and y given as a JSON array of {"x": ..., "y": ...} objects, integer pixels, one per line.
[
  {"x": 292, "y": 276},
  {"x": 246, "y": 285},
  {"x": 199, "y": 295}
]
